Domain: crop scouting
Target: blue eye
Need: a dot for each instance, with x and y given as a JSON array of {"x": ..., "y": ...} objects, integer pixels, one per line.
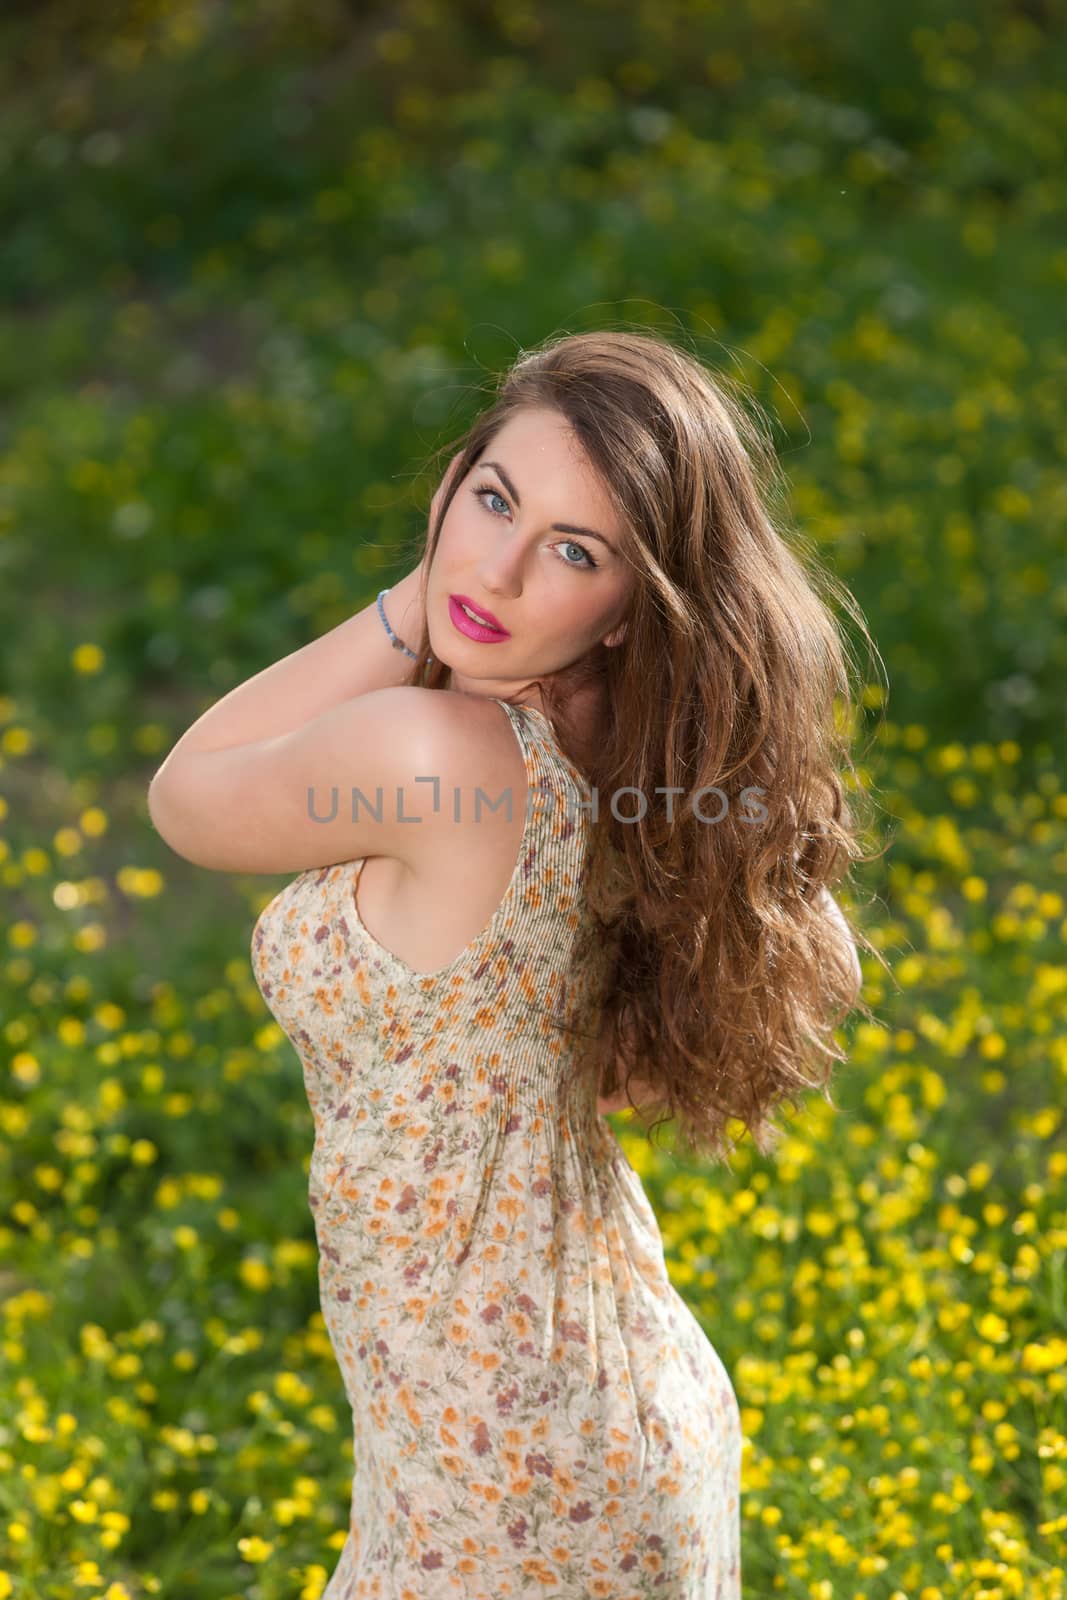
[
  {"x": 487, "y": 489},
  {"x": 484, "y": 489}
]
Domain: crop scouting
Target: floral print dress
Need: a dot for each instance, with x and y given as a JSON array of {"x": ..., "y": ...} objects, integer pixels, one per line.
[{"x": 535, "y": 1409}]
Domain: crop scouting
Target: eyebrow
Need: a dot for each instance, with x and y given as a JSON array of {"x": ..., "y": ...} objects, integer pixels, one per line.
[{"x": 558, "y": 527}]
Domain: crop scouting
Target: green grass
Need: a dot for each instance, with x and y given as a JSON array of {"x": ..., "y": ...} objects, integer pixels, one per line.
[{"x": 253, "y": 272}]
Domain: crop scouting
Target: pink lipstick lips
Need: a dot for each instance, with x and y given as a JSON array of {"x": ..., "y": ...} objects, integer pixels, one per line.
[{"x": 486, "y": 631}]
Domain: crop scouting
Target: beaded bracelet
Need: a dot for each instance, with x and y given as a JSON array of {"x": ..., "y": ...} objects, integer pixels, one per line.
[{"x": 397, "y": 643}]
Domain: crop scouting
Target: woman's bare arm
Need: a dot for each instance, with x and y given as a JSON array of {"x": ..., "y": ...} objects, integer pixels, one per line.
[
  {"x": 642, "y": 1096},
  {"x": 843, "y": 929}
]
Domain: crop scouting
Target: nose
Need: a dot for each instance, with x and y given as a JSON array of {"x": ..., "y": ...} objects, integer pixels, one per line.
[{"x": 501, "y": 572}]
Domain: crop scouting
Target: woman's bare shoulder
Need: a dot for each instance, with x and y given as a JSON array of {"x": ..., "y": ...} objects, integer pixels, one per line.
[{"x": 481, "y": 762}]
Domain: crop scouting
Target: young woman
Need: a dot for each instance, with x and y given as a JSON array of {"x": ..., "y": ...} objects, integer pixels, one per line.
[{"x": 607, "y": 628}]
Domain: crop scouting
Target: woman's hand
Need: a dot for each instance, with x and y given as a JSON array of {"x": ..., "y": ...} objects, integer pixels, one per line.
[
  {"x": 439, "y": 494},
  {"x": 407, "y": 598},
  {"x": 443, "y": 487}
]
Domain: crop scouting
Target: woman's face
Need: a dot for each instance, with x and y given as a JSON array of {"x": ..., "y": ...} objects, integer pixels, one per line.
[{"x": 499, "y": 548}]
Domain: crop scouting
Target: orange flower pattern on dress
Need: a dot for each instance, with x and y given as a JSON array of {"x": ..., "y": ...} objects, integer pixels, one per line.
[{"x": 535, "y": 1409}]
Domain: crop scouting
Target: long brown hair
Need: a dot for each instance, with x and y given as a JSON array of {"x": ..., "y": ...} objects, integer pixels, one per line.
[{"x": 731, "y": 971}]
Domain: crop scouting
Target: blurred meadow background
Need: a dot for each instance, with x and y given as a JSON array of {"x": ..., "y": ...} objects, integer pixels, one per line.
[{"x": 258, "y": 262}]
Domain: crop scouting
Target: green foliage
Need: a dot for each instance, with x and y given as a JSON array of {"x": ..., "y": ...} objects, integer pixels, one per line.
[{"x": 259, "y": 260}]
